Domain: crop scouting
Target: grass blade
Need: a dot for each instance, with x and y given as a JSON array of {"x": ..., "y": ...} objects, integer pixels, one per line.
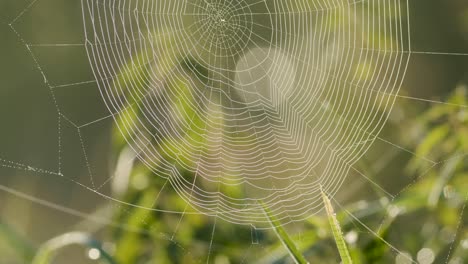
[
  {"x": 284, "y": 237},
  {"x": 16, "y": 241},
  {"x": 47, "y": 251},
  {"x": 336, "y": 230}
]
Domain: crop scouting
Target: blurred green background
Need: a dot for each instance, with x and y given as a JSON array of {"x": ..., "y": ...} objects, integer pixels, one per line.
[{"x": 427, "y": 212}]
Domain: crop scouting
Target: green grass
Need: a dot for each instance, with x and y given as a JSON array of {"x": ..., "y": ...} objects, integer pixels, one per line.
[
  {"x": 284, "y": 237},
  {"x": 336, "y": 230}
]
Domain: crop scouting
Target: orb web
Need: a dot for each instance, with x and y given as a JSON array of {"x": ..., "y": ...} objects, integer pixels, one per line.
[{"x": 245, "y": 104}]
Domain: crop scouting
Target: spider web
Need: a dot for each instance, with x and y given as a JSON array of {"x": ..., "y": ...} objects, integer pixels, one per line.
[
  {"x": 273, "y": 110},
  {"x": 264, "y": 103}
]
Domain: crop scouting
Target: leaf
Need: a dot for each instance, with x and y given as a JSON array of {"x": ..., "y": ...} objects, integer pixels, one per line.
[
  {"x": 336, "y": 230},
  {"x": 434, "y": 137},
  {"x": 284, "y": 237}
]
